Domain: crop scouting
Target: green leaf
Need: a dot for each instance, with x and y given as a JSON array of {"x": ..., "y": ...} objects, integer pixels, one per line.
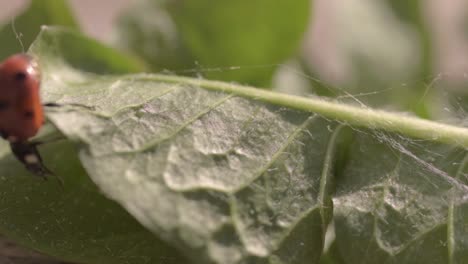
[
  {"x": 232, "y": 174},
  {"x": 332, "y": 255},
  {"x": 241, "y": 33},
  {"x": 402, "y": 202},
  {"x": 28, "y": 24},
  {"x": 76, "y": 222},
  {"x": 218, "y": 34},
  {"x": 148, "y": 30},
  {"x": 384, "y": 53},
  {"x": 90, "y": 56},
  {"x": 412, "y": 14},
  {"x": 146, "y": 139}
]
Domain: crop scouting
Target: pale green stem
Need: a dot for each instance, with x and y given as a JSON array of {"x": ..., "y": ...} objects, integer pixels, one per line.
[{"x": 352, "y": 115}]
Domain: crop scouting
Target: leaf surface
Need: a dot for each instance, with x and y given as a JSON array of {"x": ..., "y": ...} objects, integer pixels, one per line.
[
  {"x": 231, "y": 174},
  {"x": 223, "y": 178},
  {"x": 398, "y": 199}
]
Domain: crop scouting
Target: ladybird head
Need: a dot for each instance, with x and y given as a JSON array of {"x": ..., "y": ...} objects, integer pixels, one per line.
[
  {"x": 19, "y": 79},
  {"x": 19, "y": 70}
]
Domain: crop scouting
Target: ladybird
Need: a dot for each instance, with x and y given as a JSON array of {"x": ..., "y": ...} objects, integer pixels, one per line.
[{"x": 21, "y": 110}]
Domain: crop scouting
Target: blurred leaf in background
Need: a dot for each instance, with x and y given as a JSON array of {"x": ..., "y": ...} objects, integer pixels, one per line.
[
  {"x": 383, "y": 51},
  {"x": 148, "y": 30},
  {"x": 92, "y": 56},
  {"x": 455, "y": 77},
  {"x": 417, "y": 96},
  {"x": 28, "y": 24},
  {"x": 219, "y": 36}
]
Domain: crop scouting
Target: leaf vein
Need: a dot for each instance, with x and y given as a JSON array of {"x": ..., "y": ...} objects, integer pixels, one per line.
[{"x": 155, "y": 142}]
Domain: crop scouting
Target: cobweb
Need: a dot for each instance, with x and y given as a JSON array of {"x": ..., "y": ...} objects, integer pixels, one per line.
[
  {"x": 438, "y": 166},
  {"x": 447, "y": 104}
]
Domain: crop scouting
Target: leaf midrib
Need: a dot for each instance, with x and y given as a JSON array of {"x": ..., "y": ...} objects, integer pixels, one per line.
[
  {"x": 348, "y": 114},
  {"x": 155, "y": 142}
]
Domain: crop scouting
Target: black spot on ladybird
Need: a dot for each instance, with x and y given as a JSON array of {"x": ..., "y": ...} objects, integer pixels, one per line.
[
  {"x": 29, "y": 114},
  {"x": 4, "y": 105},
  {"x": 20, "y": 76}
]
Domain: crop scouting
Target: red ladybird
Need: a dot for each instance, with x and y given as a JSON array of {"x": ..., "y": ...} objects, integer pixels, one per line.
[{"x": 21, "y": 112}]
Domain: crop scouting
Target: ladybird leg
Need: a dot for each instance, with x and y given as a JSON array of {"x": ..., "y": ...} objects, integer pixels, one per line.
[
  {"x": 28, "y": 154},
  {"x": 72, "y": 104},
  {"x": 3, "y": 134},
  {"x": 51, "y": 105},
  {"x": 47, "y": 141},
  {"x": 8, "y": 137}
]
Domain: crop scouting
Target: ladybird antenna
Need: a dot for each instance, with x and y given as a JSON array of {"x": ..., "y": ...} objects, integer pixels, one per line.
[{"x": 18, "y": 36}]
